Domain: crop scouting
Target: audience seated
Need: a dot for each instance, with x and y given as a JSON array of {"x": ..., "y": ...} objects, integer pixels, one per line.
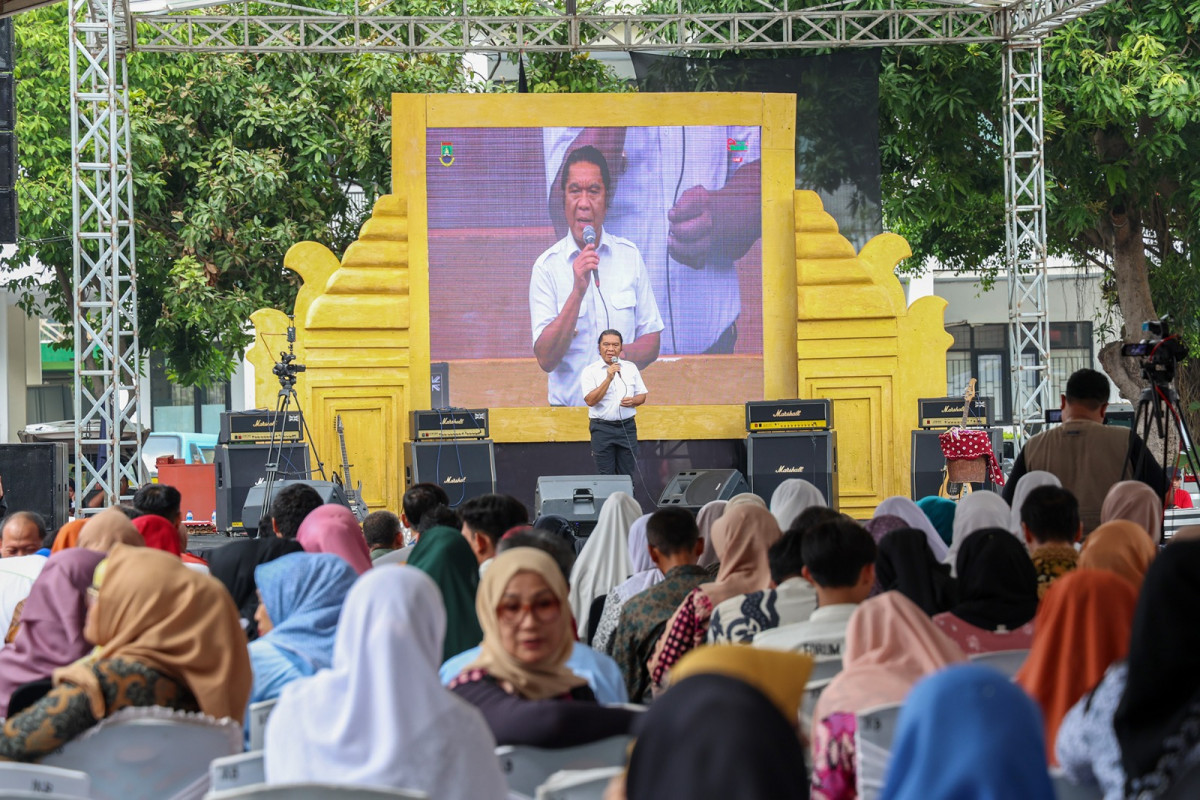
[
  {"x": 741, "y": 537},
  {"x": 605, "y": 559},
  {"x": 444, "y": 555},
  {"x": 890, "y": 645},
  {"x": 645, "y": 574},
  {"x": 383, "y": 533},
  {"x": 1051, "y": 526},
  {"x": 967, "y": 732},
  {"x": 713, "y": 737},
  {"x": 157, "y": 503},
  {"x": 997, "y": 595},
  {"x": 68, "y": 535},
  {"x": 332, "y": 528},
  {"x": 17, "y": 576},
  {"x": 709, "y": 513},
  {"x": 1119, "y": 546},
  {"x": 976, "y": 512},
  {"x": 839, "y": 559},
  {"x": 485, "y": 519},
  {"x": 910, "y": 512},
  {"x": 166, "y": 636},
  {"x": 1082, "y": 626},
  {"x": 791, "y": 498},
  {"x": 21, "y": 534},
  {"x": 379, "y": 716},
  {"x": 940, "y": 512},
  {"x": 520, "y": 680},
  {"x": 779, "y": 675},
  {"x": 1028, "y": 483},
  {"x": 904, "y": 563},
  {"x": 419, "y": 500},
  {"x": 1136, "y": 502},
  {"x": 108, "y": 529}
]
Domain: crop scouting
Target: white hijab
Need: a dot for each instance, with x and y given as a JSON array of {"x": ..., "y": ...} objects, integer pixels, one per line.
[
  {"x": 976, "y": 511},
  {"x": 645, "y": 573},
  {"x": 605, "y": 561},
  {"x": 912, "y": 514},
  {"x": 1028, "y": 482},
  {"x": 380, "y": 716},
  {"x": 793, "y": 496}
]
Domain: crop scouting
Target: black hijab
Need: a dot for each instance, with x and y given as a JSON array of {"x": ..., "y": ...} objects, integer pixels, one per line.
[
  {"x": 905, "y": 564},
  {"x": 1159, "y": 714},
  {"x": 997, "y": 582},
  {"x": 233, "y": 565},
  {"x": 712, "y": 737}
]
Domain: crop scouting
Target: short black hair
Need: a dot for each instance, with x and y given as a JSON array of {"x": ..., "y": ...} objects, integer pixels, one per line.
[
  {"x": 158, "y": 498},
  {"x": 785, "y": 558},
  {"x": 672, "y": 530},
  {"x": 1052, "y": 514},
  {"x": 610, "y": 332},
  {"x": 30, "y": 518},
  {"x": 291, "y": 505},
  {"x": 381, "y": 528},
  {"x": 493, "y": 514},
  {"x": 544, "y": 540},
  {"x": 591, "y": 155},
  {"x": 421, "y": 497},
  {"x": 835, "y": 552},
  {"x": 813, "y": 516},
  {"x": 128, "y": 511},
  {"x": 439, "y": 516},
  {"x": 1088, "y": 388}
]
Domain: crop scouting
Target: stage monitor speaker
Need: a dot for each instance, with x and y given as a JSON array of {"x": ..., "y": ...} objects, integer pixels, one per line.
[
  {"x": 772, "y": 458},
  {"x": 256, "y": 498},
  {"x": 928, "y": 462},
  {"x": 241, "y": 466},
  {"x": 578, "y": 497},
  {"x": 694, "y": 488},
  {"x": 35, "y": 479},
  {"x": 465, "y": 469}
]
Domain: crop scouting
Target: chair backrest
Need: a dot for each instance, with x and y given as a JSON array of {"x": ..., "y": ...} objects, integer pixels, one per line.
[
  {"x": 824, "y": 669},
  {"x": 1065, "y": 790},
  {"x": 317, "y": 791},
  {"x": 43, "y": 780},
  {"x": 1007, "y": 661},
  {"x": 527, "y": 768},
  {"x": 582, "y": 784},
  {"x": 258, "y": 722},
  {"x": 152, "y": 753},
  {"x": 812, "y": 691},
  {"x": 236, "y": 771},
  {"x": 873, "y": 733}
]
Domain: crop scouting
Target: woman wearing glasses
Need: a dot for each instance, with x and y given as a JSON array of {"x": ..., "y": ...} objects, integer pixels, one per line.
[{"x": 520, "y": 682}]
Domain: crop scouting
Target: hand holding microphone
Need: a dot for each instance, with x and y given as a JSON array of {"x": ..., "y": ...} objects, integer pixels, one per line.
[
  {"x": 589, "y": 238},
  {"x": 614, "y": 367},
  {"x": 588, "y": 261}
]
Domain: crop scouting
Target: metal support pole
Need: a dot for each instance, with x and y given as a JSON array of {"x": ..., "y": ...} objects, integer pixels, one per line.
[
  {"x": 108, "y": 437},
  {"x": 1025, "y": 236}
]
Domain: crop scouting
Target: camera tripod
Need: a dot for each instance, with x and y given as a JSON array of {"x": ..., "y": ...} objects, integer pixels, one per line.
[{"x": 1156, "y": 400}]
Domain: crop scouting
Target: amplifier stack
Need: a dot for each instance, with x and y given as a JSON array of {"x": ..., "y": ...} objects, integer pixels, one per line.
[
  {"x": 791, "y": 439},
  {"x": 243, "y": 446},
  {"x": 451, "y": 448},
  {"x": 936, "y": 415}
]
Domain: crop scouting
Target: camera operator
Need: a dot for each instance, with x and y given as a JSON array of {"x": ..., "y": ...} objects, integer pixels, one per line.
[{"x": 1084, "y": 453}]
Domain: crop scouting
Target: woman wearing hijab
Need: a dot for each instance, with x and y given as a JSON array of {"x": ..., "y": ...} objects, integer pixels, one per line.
[
  {"x": 645, "y": 575},
  {"x": 741, "y": 537},
  {"x": 165, "y": 636},
  {"x": 714, "y": 737},
  {"x": 1119, "y": 546},
  {"x": 992, "y": 727},
  {"x": 905, "y": 564},
  {"x": 51, "y": 631},
  {"x": 604, "y": 561},
  {"x": 520, "y": 681},
  {"x": 710, "y": 512},
  {"x": 1136, "y": 502},
  {"x": 780, "y": 675},
  {"x": 332, "y": 528},
  {"x": 792, "y": 497},
  {"x": 976, "y": 512},
  {"x": 746, "y": 497},
  {"x": 940, "y": 511},
  {"x": 997, "y": 595},
  {"x": 1026, "y": 484},
  {"x": 68, "y": 535},
  {"x": 108, "y": 529},
  {"x": 444, "y": 555},
  {"x": 1082, "y": 627},
  {"x": 890, "y": 645},
  {"x": 233, "y": 565},
  {"x": 158, "y": 533},
  {"x": 908, "y": 511},
  {"x": 379, "y": 716}
]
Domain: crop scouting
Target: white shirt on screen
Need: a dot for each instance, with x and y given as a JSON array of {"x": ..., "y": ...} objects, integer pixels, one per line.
[
  {"x": 627, "y": 384},
  {"x": 660, "y": 164},
  {"x": 624, "y": 302}
]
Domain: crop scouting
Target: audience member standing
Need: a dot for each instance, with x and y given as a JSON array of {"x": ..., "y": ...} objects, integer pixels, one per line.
[
  {"x": 1136, "y": 502},
  {"x": 1122, "y": 547},
  {"x": 604, "y": 561},
  {"x": 997, "y": 595},
  {"x": 1050, "y": 521},
  {"x": 444, "y": 555}
]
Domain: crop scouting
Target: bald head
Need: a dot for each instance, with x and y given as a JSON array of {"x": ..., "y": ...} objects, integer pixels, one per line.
[{"x": 22, "y": 534}]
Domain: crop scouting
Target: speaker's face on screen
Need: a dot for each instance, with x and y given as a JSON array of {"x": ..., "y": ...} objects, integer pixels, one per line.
[{"x": 586, "y": 198}]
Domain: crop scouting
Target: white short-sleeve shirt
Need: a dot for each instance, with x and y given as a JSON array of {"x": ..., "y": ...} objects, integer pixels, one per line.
[{"x": 628, "y": 383}]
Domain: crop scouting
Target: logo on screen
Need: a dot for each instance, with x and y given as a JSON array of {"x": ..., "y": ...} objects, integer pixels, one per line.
[
  {"x": 447, "y": 156},
  {"x": 736, "y": 148}
]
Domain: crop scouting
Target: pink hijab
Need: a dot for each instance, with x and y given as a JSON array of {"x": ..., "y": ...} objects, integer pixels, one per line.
[
  {"x": 1136, "y": 502},
  {"x": 333, "y": 529}
]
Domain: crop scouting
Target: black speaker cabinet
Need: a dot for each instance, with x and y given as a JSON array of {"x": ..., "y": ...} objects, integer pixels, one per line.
[
  {"x": 256, "y": 499},
  {"x": 241, "y": 466},
  {"x": 578, "y": 497},
  {"x": 695, "y": 488},
  {"x": 35, "y": 479},
  {"x": 465, "y": 469},
  {"x": 928, "y": 462},
  {"x": 772, "y": 458}
]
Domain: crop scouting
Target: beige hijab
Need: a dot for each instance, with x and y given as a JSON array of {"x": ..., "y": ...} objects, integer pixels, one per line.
[
  {"x": 1136, "y": 502},
  {"x": 549, "y": 678},
  {"x": 741, "y": 538},
  {"x": 107, "y": 529},
  {"x": 1119, "y": 546}
]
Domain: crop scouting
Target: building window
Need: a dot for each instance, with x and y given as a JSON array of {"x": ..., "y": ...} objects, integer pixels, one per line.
[{"x": 186, "y": 409}]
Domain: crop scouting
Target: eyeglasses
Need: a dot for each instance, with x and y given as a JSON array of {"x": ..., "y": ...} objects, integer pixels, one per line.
[{"x": 543, "y": 609}]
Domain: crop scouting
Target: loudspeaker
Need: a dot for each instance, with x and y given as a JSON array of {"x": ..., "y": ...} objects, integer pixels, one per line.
[
  {"x": 928, "y": 462},
  {"x": 465, "y": 469},
  {"x": 694, "y": 488},
  {"x": 241, "y": 466},
  {"x": 35, "y": 479},
  {"x": 772, "y": 458},
  {"x": 578, "y": 497},
  {"x": 256, "y": 499}
]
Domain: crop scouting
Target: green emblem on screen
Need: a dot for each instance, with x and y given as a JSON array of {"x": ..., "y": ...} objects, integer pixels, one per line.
[{"x": 447, "y": 156}]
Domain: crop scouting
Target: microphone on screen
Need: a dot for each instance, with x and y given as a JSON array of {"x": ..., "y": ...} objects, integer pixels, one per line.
[
  {"x": 589, "y": 237},
  {"x": 614, "y": 360}
]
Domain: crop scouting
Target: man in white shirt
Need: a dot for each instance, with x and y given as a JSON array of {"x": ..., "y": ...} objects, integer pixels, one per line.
[
  {"x": 613, "y": 389},
  {"x": 588, "y": 282}
]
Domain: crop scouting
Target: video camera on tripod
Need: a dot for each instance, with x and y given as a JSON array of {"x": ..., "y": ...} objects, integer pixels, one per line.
[
  {"x": 286, "y": 367},
  {"x": 1159, "y": 354}
]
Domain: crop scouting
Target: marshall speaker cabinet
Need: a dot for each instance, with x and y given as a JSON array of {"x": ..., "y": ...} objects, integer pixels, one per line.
[
  {"x": 241, "y": 466},
  {"x": 928, "y": 461},
  {"x": 772, "y": 458},
  {"x": 465, "y": 469}
]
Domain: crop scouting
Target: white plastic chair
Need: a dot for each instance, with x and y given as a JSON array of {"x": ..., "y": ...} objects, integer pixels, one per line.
[
  {"x": 812, "y": 690},
  {"x": 1065, "y": 790},
  {"x": 41, "y": 780},
  {"x": 1007, "y": 661},
  {"x": 873, "y": 734},
  {"x": 150, "y": 753},
  {"x": 259, "y": 712},
  {"x": 318, "y": 791},
  {"x": 234, "y": 772},
  {"x": 581, "y": 784},
  {"x": 824, "y": 669},
  {"x": 527, "y": 768}
]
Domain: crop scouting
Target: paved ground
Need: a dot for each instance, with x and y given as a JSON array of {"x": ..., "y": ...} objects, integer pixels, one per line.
[{"x": 198, "y": 543}]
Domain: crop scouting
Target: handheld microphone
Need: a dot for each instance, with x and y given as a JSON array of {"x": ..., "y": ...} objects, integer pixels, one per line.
[{"x": 589, "y": 237}]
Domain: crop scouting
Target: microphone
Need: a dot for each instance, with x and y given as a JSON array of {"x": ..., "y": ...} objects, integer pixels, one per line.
[
  {"x": 589, "y": 237},
  {"x": 614, "y": 360}
]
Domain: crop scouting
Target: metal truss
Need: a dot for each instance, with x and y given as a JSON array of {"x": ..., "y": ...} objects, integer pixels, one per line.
[{"x": 108, "y": 431}]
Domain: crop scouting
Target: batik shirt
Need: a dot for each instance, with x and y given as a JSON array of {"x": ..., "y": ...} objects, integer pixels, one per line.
[
  {"x": 739, "y": 618},
  {"x": 1052, "y": 561}
]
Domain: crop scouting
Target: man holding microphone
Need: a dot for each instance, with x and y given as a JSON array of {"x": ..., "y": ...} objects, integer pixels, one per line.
[{"x": 612, "y": 390}]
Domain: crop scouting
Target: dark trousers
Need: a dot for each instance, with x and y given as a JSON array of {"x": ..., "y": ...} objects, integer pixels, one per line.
[{"x": 614, "y": 446}]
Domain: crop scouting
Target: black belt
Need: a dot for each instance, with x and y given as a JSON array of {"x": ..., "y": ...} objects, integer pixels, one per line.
[{"x": 620, "y": 422}]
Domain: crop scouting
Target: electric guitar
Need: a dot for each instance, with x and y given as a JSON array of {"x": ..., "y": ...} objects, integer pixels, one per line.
[
  {"x": 353, "y": 493},
  {"x": 948, "y": 489}
]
